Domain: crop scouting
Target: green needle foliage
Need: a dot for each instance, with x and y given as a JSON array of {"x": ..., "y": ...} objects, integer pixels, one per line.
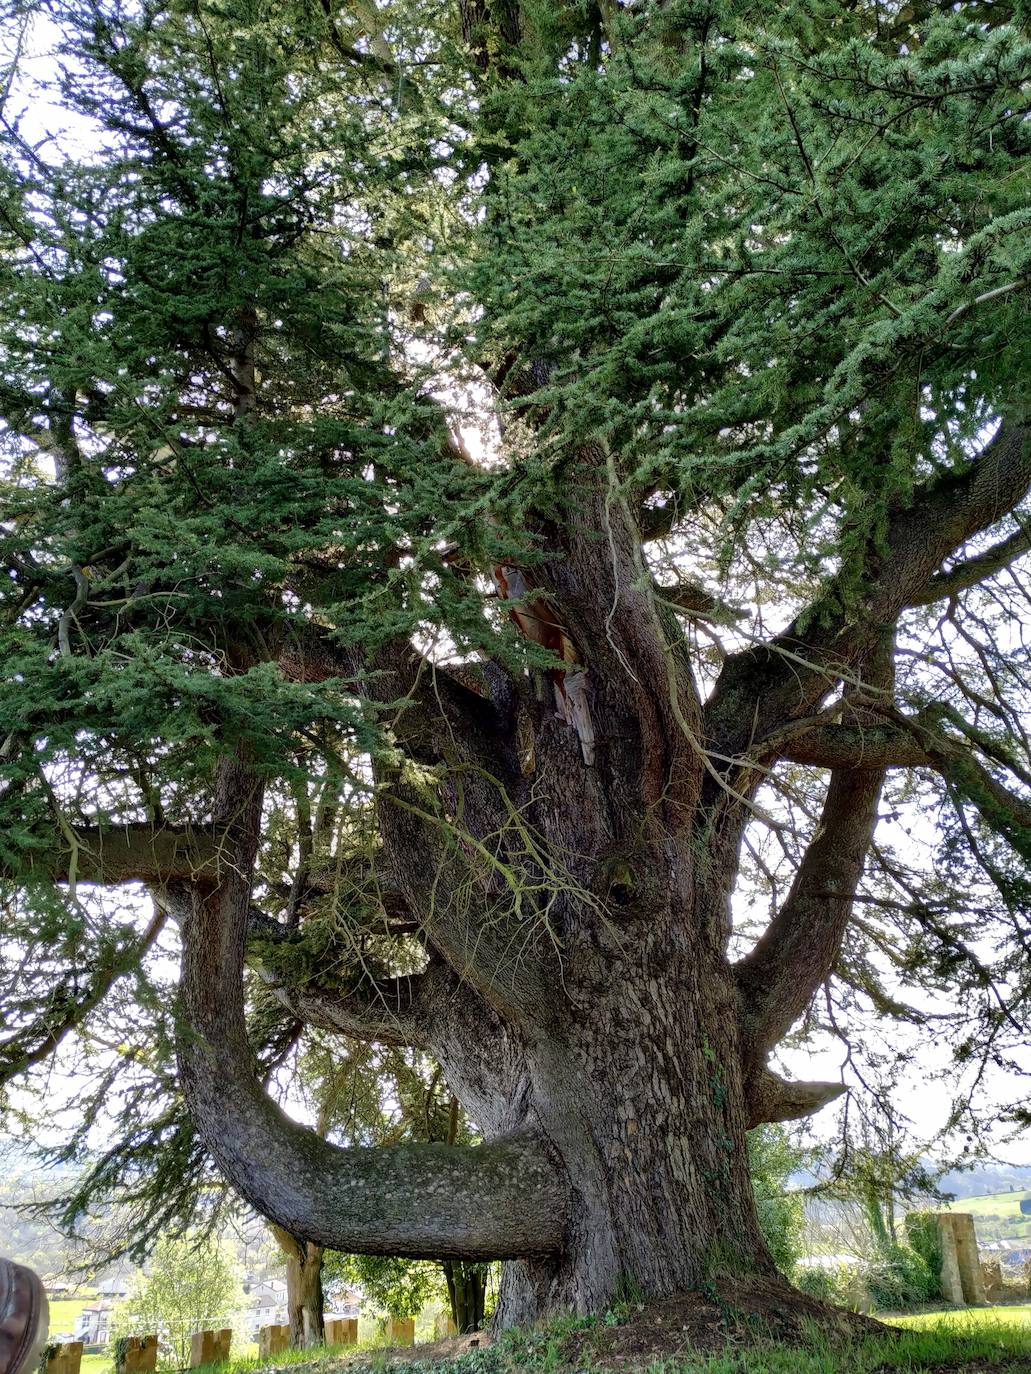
[{"x": 314, "y": 314}]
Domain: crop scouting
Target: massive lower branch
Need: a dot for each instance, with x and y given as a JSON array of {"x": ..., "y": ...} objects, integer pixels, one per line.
[
  {"x": 500, "y": 1200},
  {"x": 124, "y": 854}
]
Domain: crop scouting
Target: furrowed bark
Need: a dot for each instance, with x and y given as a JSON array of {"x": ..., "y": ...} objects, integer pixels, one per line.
[{"x": 493, "y": 1201}]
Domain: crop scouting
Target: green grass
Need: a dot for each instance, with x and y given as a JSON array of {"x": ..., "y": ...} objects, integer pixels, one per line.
[
  {"x": 967, "y": 1320},
  {"x": 64, "y": 1313},
  {"x": 997, "y": 1216},
  {"x": 989, "y": 1205},
  {"x": 997, "y": 1337}
]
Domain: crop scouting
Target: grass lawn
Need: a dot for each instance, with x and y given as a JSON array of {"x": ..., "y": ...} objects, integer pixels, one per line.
[
  {"x": 980, "y": 1341},
  {"x": 969, "y": 1320},
  {"x": 997, "y": 1216},
  {"x": 989, "y": 1204},
  {"x": 64, "y": 1313},
  {"x": 990, "y": 1340}
]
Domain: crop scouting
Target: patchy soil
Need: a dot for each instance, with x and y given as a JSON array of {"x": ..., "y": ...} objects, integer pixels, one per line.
[
  {"x": 734, "y": 1312},
  {"x": 425, "y": 1350}
]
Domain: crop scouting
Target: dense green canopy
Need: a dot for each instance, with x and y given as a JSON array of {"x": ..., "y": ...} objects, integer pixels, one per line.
[{"x": 313, "y": 314}]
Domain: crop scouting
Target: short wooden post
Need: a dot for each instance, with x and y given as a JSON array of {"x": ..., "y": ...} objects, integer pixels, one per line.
[
  {"x": 66, "y": 1358},
  {"x": 273, "y": 1339},
  {"x": 342, "y": 1331},
  {"x": 400, "y": 1330},
  {"x": 210, "y": 1347},
  {"x": 136, "y": 1354}
]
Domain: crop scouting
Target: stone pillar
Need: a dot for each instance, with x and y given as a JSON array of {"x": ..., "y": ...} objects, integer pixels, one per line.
[
  {"x": 210, "y": 1347},
  {"x": 969, "y": 1259},
  {"x": 444, "y": 1326},
  {"x": 65, "y": 1359},
  {"x": 136, "y": 1354},
  {"x": 951, "y": 1279},
  {"x": 342, "y": 1331},
  {"x": 272, "y": 1340},
  {"x": 962, "y": 1283},
  {"x": 400, "y": 1330}
]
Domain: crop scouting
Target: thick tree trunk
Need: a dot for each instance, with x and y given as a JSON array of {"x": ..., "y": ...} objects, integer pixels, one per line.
[{"x": 637, "y": 1092}]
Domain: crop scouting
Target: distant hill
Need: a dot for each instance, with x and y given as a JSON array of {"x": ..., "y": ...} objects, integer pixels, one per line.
[
  {"x": 982, "y": 1181},
  {"x": 988, "y": 1180}
]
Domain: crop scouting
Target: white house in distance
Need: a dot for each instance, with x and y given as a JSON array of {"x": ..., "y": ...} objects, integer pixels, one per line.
[
  {"x": 93, "y": 1326},
  {"x": 266, "y": 1305}
]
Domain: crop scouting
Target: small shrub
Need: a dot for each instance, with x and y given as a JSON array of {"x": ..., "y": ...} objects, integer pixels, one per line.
[
  {"x": 924, "y": 1236},
  {"x": 844, "y": 1285},
  {"x": 901, "y": 1278},
  {"x": 818, "y": 1283}
]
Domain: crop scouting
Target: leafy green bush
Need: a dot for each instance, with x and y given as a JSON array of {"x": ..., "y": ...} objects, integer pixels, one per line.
[
  {"x": 818, "y": 1283},
  {"x": 397, "y": 1287},
  {"x": 924, "y": 1236},
  {"x": 844, "y": 1285},
  {"x": 772, "y": 1158},
  {"x": 901, "y": 1278}
]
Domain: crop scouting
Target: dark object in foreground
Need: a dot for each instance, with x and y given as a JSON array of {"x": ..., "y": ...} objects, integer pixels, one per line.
[{"x": 23, "y": 1318}]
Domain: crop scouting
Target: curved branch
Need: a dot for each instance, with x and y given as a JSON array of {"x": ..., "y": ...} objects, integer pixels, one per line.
[
  {"x": 856, "y": 746},
  {"x": 788, "y": 676},
  {"x": 912, "y": 744},
  {"x": 958, "y": 578},
  {"x": 500, "y": 1200},
  {"x": 796, "y": 952}
]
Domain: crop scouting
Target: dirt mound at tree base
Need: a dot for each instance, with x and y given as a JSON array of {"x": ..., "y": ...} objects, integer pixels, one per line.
[
  {"x": 734, "y": 1312},
  {"x": 731, "y": 1312}
]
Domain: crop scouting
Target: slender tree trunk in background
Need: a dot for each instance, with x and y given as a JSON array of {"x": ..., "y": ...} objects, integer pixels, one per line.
[
  {"x": 305, "y": 1299},
  {"x": 466, "y": 1291}
]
